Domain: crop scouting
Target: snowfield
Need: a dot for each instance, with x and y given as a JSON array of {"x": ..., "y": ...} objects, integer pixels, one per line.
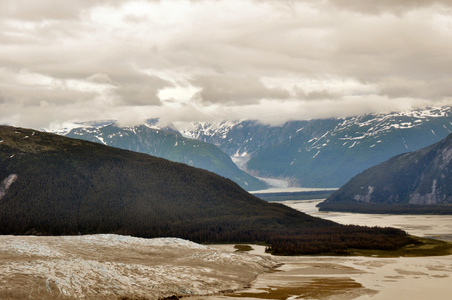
[{"x": 112, "y": 266}]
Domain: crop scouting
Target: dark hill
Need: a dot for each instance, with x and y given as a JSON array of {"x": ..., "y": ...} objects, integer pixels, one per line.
[
  {"x": 172, "y": 146},
  {"x": 415, "y": 182},
  {"x": 55, "y": 185}
]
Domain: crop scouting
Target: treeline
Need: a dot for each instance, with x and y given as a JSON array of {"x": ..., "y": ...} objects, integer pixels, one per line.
[
  {"x": 340, "y": 240},
  {"x": 335, "y": 239},
  {"x": 285, "y": 196},
  {"x": 384, "y": 208},
  {"x": 67, "y": 187}
]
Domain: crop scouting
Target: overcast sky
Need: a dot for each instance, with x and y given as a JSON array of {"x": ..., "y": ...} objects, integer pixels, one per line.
[{"x": 275, "y": 60}]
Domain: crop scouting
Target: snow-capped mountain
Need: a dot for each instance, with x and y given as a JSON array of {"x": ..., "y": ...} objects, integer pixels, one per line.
[
  {"x": 325, "y": 152},
  {"x": 314, "y": 153},
  {"x": 170, "y": 145}
]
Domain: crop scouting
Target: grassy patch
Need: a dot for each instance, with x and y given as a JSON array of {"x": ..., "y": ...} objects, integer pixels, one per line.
[
  {"x": 421, "y": 247},
  {"x": 243, "y": 248},
  {"x": 384, "y": 208}
]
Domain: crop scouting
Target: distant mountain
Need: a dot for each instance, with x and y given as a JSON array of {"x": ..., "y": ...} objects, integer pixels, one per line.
[
  {"x": 324, "y": 152},
  {"x": 54, "y": 185},
  {"x": 171, "y": 145},
  {"x": 419, "y": 181}
]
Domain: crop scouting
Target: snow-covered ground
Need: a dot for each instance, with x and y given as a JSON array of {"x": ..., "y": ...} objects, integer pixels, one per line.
[{"x": 114, "y": 266}]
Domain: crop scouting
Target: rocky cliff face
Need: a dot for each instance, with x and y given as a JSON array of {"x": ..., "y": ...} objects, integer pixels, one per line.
[{"x": 439, "y": 175}]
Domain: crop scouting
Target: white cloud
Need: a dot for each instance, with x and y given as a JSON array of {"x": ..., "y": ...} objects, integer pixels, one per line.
[
  {"x": 388, "y": 6},
  {"x": 188, "y": 60}
]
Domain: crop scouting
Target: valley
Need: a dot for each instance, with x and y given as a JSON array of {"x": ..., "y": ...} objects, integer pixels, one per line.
[
  {"x": 218, "y": 150},
  {"x": 308, "y": 153},
  {"x": 54, "y": 185},
  {"x": 323, "y": 152},
  {"x": 65, "y": 266}
]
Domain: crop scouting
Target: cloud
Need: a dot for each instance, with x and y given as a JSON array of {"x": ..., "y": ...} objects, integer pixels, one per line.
[
  {"x": 33, "y": 89},
  {"x": 402, "y": 56},
  {"x": 385, "y": 6},
  {"x": 296, "y": 109},
  {"x": 188, "y": 60},
  {"x": 44, "y": 10},
  {"x": 235, "y": 89},
  {"x": 133, "y": 88}
]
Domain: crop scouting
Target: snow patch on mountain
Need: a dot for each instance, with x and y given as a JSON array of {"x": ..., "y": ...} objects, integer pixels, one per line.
[
  {"x": 195, "y": 130},
  {"x": 252, "y": 145},
  {"x": 6, "y": 183}
]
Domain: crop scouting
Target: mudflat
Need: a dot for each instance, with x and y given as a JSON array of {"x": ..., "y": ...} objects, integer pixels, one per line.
[
  {"x": 358, "y": 277},
  {"x": 115, "y": 267},
  {"x": 325, "y": 277}
]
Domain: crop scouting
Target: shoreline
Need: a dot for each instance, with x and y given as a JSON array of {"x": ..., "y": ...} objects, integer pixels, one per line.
[
  {"x": 351, "y": 277},
  {"x": 112, "y": 266},
  {"x": 51, "y": 262},
  {"x": 379, "y": 278}
]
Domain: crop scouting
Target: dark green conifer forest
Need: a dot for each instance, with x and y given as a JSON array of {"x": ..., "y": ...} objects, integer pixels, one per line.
[{"x": 65, "y": 186}]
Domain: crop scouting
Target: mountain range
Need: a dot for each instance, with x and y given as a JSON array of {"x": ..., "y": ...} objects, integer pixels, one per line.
[
  {"x": 415, "y": 182},
  {"x": 324, "y": 152},
  {"x": 170, "y": 145},
  {"x": 310, "y": 153},
  {"x": 54, "y": 185}
]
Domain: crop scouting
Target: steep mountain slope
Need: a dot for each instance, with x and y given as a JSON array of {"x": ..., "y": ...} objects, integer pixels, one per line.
[
  {"x": 420, "y": 178},
  {"x": 327, "y": 152},
  {"x": 52, "y": 184},
  {"x": 170, "y": 145}
]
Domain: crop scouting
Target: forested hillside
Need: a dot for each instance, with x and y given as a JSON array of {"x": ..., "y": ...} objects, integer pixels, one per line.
[
  {"x": 415, "y": 182},
  {"x": 54, "y": 185},
  {"x": 170, "y": 145}
]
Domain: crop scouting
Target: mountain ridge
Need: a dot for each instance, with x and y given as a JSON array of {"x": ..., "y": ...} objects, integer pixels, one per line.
[
  {"x": 65, "y": 186},
  {"x": 307, "y": 152},
  {"x": 168, "y": 144},
  {"x": 317, "y": 153},
  {"x": 422, "y": 178}
]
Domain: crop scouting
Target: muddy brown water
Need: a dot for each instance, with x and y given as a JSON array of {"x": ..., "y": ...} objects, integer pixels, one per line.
[{"x": 308, "y": 277}]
